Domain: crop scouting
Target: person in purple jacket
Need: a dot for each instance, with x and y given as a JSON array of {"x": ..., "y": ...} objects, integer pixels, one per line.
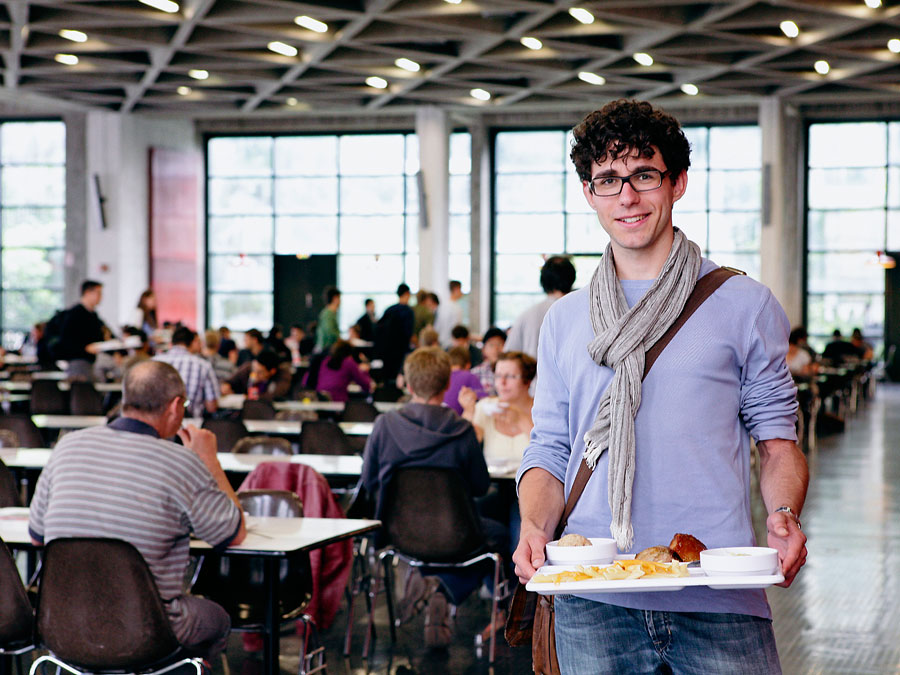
[
  {"x": 672, "y": 451},
  {"x": 339, "y": 370},
  {"x": 461, "y": 376}
]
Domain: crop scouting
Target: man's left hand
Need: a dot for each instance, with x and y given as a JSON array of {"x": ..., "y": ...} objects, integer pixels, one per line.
[{"x": 788, "y": 539}]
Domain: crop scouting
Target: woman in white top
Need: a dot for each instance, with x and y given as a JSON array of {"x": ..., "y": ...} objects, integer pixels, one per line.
[{"x": 503, "y": 422}]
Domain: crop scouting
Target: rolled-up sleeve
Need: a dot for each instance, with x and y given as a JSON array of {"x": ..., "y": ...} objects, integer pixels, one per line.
[
  {"x": 768, "y": 393},
  {"x": 550, "y": 445}
]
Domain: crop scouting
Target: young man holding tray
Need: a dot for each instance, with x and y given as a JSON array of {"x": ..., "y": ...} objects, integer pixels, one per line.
[{"x": 672, "y": 452}]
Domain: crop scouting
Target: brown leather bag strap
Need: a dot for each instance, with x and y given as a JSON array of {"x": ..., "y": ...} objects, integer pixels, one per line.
[{"x": 704, "y": 288}]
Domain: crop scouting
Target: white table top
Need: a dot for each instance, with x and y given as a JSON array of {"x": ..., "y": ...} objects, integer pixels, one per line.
[
  {"x": 275, "y": 536},
  {"x": 19, "y": 359},
  {"x": 25, "y": 385},
  {"x": 328, "y": 465},
  {"x": 277, "y": 427}
]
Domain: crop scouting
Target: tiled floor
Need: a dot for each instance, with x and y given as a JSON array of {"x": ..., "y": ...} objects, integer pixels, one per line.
[{"x": 840, "y": 616}]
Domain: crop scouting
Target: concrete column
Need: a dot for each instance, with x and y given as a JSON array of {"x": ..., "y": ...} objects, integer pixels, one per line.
[
  {"x": 433, "y": 130},
  {"x": 781, "y": 244},
  {"x": 480, "y": 296},
  {"x": 77, "y": 205}
]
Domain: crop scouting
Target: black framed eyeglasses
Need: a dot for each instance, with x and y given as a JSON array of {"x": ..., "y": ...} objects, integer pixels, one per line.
[{"x": 642, "y": 181}]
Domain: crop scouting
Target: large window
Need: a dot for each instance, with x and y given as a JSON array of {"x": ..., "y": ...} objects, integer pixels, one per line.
[
  {"x": 33, "y": 224},
  {"x": 854, "y": 211},
  {"x": 355, "y": 196},
  {"x": 540, "y": 209}
]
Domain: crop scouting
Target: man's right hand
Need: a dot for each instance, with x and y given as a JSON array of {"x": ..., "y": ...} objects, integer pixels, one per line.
[
  {"x": 529, "y": 554},
  {"x": 202, "y": 442}
]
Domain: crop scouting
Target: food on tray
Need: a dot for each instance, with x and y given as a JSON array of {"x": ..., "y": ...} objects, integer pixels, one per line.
[
  {"x": 661, "y": 554},
  {"x": 619, "y": 570},
  {"x": 573, "y": 540},
  {"x": 687, "y": 547}
]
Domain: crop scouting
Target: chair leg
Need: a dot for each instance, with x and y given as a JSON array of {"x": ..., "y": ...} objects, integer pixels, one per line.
[
  {"x": 351, "y": 596},
  {"x": 373, "y": 596},
  {"x": 389, "y": 596},
  {"x": 492, "y": 649}
]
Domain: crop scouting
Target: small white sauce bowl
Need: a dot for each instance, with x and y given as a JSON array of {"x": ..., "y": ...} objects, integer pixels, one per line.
[
  {"x": 600, "y": 552},
  {"x": 739, "y": 560}
]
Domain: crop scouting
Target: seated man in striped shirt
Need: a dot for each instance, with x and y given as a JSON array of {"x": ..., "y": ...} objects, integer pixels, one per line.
[
  {"x": 124, "y": 481},
  {"x": 198, "y": 375}
]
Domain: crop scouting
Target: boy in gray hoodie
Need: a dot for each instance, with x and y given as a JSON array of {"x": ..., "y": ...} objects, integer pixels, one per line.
[{"x": 424, "y": 433}]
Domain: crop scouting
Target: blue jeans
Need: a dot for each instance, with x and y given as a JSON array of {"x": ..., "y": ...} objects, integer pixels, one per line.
[{"x": 593, "y": 638}]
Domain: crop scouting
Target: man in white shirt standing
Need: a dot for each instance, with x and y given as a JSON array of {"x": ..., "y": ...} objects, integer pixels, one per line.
[
  {"x": 449, "y": 315},
  {"x": 557, "y": 277}
]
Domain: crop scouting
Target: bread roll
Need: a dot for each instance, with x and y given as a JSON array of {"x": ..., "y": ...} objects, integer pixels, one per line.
[
  {"x": 661, "y": 554},
  {"x": 687, "y": 547},
  {"x": 574, "y": 540}
]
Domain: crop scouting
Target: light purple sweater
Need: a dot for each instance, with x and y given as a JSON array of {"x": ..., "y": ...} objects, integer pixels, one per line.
[{"x": 722, "y": 376}]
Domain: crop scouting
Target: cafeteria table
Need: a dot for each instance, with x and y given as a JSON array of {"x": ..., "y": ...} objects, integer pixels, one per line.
[
  {"x": 268, "y": 539},
  {"x": 25, "y": 385},
  {"x": 275, "y": 427},
  {"x": 236, "y": 402}
]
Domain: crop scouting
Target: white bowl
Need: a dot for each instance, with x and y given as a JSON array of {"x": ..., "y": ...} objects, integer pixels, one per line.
[
  {"x": 739, "y": 560},
  {"x": 600, "y": 552}
]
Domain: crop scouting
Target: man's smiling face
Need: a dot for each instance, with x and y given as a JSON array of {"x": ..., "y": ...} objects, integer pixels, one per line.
[{"x": 638, "y": 223}]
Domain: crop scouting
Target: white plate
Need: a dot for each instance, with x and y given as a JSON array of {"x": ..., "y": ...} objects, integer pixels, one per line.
[{"x": 697, "y": 577}]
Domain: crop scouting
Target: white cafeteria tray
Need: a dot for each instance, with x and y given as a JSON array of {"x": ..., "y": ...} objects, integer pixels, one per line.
[{"x": 697, "y": 578}]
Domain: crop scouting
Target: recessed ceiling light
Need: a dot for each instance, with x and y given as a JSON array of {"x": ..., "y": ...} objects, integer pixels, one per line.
[
  {"x": 789, "y": 28},
  {"x": 822, "y": 67},
  {"x": 531, "y": 43},
  {"x": 480, "y": 94},
  {"x": 894, "y": 45},
  {"x": 282, "y": 48},
  {"x": 452, "y": 2},
  {"x": 591, "y": 78},
  {"x": 582, "y": 15},
  {"x": 408, "y": 64},
  {"x": 162, "y": 5},
  {"x": 198, "y": 74},
  {"x": 643, "y": 59},
  {"x": 73, "y": 35},
  {"x": 292, "y": 101},
  {"x": 873, "y": 4},
  {"x": 67, "y": 59},
  {"x": 183, "y": 90},
  {"x": 311, "y": 24},
  {"x": 377, "y": 82},
  {"x": 690, "y": 89}
]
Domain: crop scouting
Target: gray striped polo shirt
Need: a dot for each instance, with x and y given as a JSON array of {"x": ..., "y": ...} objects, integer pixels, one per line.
[{"x": 123, "y": 482}]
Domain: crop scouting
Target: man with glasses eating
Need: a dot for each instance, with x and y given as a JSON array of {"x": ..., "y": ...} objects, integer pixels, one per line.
[
  {"x": 125, "y": 481},
  {"x": 672, "y": 450}
]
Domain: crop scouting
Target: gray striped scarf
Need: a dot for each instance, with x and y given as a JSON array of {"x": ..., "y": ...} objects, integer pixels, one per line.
[{"x": 622, "y": 338}]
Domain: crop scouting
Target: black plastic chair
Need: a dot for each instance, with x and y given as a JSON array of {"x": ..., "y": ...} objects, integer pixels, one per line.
[
  {"x": 16, "y": 615},
  {"x": 429, "y": 520},
  {"x": 48, "y": 399},
  {"x": 99, "y": 611},
  {"x": 323, "y": 437},
  {"x": 263, "y": 445},
  {"x": 237, "y": 583},
  {"x": 22, "y": 426},
  {"x": 228, "y": 432},
  {"x": 359, "y": 410},
  {"x": 257, "y": 410},
  {"x": 9, "y": 489},
  {"x": 84, "y": 399}
]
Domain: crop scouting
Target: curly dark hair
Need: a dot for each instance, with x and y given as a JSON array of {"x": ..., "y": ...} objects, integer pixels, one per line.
[{"x": 621, "y": 127}]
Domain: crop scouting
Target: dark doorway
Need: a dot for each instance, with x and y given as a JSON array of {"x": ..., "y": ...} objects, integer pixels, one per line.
[{"x": 299, "y": 287}]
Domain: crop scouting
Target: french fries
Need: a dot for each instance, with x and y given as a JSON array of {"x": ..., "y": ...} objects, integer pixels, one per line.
[{"x": 619, "y": 570}]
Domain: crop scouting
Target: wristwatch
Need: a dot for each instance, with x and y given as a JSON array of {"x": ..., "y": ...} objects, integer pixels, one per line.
[{"x": 790, "y": 512}]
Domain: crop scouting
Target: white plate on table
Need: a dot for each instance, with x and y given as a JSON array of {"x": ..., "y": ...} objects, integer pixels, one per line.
[{"x": 696, "y": 577}]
